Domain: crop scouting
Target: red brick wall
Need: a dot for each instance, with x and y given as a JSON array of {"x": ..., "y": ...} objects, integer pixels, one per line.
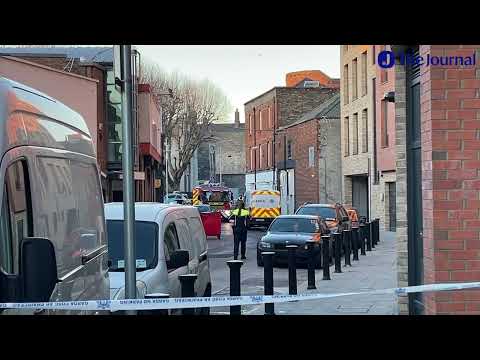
[
  {"x": 385, "y": 155},
  {"x": 294, "y": 78},
  {"x": 450, "y": 110},
  {"x": 102, "y": 131},
  {"x": 306, "y": 178},
  {"x": 93, "y": 72},
  {"x": 257, "y": 137}
]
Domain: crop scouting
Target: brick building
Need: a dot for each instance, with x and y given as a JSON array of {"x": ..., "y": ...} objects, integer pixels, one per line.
[
  {"x": 150, "y": 137},
  {"x": 224, "y": 154},
  {"x": 383, "y": 197},
  {"x": 313, "y": 78},
  {"x": 97, "y": 63},
  {"x": 310, "y": 146},
  {"x": 437, "y": 112},
  {"x": 264, "y": 114},
  {"x": 358, "y": 73}
]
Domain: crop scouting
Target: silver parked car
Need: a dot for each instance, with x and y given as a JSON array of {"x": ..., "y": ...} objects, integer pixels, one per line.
[{"x": 169, "y": 241}]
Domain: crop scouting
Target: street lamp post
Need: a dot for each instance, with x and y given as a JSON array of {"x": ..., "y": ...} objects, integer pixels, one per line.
[{"x": 128, "y": 178}]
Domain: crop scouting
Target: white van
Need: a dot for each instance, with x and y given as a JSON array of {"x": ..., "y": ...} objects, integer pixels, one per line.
[
  {"x": 52, "y": 227},
  {"x": 162, "y": 231}
]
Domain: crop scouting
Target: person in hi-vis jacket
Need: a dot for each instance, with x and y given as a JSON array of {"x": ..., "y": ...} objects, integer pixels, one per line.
[{"x": 240, "y": 215}]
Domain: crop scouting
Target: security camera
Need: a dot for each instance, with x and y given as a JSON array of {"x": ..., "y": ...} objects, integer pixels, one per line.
[{"x": 389, "y": 96}]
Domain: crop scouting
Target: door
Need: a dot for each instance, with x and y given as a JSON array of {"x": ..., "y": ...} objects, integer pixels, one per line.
[
  {"x": 16, "y": 222},
  {"x": 171, "y": 243},
  {"x": 283, "y": 192},
  {"x": 186, "y": 243},
  {"x": 200, "y": 241},
  {"x": 360, "y": 194},
  {"x": 291, "y": 191},
  {"x": 414, "y": 188},
  {"x": 392, "y": 208}
]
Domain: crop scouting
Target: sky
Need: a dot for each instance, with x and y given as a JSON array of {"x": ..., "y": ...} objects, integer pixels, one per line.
[{"x": 244, "y": 71}]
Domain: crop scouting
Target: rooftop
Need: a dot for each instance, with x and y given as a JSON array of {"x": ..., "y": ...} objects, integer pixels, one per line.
[{"x": 85, "y": 53}]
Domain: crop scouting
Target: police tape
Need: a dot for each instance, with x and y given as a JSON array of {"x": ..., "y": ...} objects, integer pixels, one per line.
[{"x": 220, "y": 301}]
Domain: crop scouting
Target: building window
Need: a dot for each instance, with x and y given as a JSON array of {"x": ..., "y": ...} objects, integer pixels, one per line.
[
  {"x": 270, "y": 117},
  {"x": 373, "y": 54},
  {"x": 364, "y": 130},
  {"x": 384, "y": 124},
  {"x": 269, "y": 154},
  {"x": 289, "y": 150},
  {"x": 16, "y": 216},
  {"x": 355, "y": 134},
  {"x": 354, "y": 80},
  {"x": 364, "y": 73},
  {"x": 346, "y": 137},
  {"x": 250, "y": 124},
  {"x": 311, "y": 156},
  {"x": 261, "y": 118},
  {"x": 114, "y": 113},
  {"x": 345, "y": 84},
  {"x": 261, "y": 156}
]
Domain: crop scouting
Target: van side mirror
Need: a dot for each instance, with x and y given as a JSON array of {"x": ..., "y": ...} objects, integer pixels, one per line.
[
  {"x": 38, "y": 269},
  {"x": 178, "y": 259}
]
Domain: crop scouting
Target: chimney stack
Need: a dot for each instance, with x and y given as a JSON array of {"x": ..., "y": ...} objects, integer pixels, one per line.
[{"x": 237, "y": 119}]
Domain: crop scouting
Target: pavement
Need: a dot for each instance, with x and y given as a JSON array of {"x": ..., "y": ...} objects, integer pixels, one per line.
[{"x": 374, "y": 271}]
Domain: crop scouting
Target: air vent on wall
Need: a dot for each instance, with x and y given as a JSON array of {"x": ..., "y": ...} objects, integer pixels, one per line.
[{"x": 311, "y": 83}]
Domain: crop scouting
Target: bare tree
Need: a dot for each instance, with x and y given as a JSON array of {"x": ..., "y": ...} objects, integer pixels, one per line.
[{"x": 187, "y": 114}]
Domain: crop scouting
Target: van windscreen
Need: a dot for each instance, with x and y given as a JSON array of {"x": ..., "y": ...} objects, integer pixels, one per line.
[{"x": 146, "y": 240}]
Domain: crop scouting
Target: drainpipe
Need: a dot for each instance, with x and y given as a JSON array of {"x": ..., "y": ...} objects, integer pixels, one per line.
[
  {"x": 255, "y": 152},
  {"x": 274, "y": 172}
]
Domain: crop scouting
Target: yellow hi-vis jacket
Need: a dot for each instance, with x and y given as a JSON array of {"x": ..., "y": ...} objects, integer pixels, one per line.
[{"x": 242, "y": 213}]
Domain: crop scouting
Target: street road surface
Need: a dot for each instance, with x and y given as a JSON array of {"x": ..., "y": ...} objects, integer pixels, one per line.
[{"x": 251, "y": 275}]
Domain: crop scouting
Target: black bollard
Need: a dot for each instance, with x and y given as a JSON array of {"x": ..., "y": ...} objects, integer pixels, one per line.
[
  {"x": 187, "y": 282},
  {"x": 355, "y": 243},
  {"x": 268, "y": 279},
  {"x": 326, "y": 256},
  {"x": 371, "y": 233},
  {"x": 292, "y": 269},
  {"x": 235, "y": 266},
  {"x": 367, "y": 236},
  {"x": 377, "y": 231},
  {"x": 155, "y": 311},
  {"x": 361, "y": 236},
  {"x": 337, "y": 238},
  {"x": 347, "y": 239},
  {"x": 311, "y": 264}
]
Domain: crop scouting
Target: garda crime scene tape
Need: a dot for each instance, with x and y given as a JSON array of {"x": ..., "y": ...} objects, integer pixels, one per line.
[{"x": 217, "y": 301}]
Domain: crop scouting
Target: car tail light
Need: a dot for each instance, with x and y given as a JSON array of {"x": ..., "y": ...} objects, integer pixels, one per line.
[{"x": 316, "y": 237}]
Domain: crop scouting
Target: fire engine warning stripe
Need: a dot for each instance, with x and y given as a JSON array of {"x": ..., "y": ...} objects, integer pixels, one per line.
[
  {"x": 265, "y": 212},
  {"x": 265, "y": 192},
  {"x": 198, "y": 302}
]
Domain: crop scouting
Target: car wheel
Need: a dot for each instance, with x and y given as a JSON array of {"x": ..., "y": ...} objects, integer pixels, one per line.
[{"x": 259, "y": 259}]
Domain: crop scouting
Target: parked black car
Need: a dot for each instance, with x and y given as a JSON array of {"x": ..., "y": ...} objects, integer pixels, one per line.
[{"x": 293, "y": 230}]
